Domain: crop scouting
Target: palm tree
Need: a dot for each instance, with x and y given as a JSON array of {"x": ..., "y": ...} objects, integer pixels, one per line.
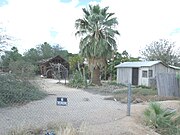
[{"x": 97, "y": 44}]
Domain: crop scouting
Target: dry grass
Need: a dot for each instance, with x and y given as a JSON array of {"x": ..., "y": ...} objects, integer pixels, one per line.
[
  {"x": 119, "y": 92},
  {"x": 53, "y": 128}
]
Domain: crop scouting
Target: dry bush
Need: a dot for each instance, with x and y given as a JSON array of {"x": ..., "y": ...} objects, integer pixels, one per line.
[{"x": 51, "y": 129}]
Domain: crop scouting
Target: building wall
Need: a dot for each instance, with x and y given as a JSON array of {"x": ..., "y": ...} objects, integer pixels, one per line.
[
  {"x": 124, "y": 75},
  {"x": 160, "y": 68},
  {"x": 143, "y": 80}
]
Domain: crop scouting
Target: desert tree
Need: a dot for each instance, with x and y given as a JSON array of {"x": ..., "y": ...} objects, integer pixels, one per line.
[
  {"x": 97, "y": 30},
  {"x": 163, "y": 50}
]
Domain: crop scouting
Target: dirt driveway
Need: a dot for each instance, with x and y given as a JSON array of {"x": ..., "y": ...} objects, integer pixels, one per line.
[{"x": 102, "y": 117}]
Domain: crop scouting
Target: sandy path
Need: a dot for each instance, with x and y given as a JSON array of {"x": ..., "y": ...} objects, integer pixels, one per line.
[{"x": 94, "y": 112}]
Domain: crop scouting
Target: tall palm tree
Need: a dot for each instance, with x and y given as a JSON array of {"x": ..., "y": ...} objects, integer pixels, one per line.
[{"x": 97, "y": 44}]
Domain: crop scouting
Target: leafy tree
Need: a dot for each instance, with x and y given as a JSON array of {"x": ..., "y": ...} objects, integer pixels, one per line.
[
  {"x": 163, "y": 50},
  {"x": 58, "y": 50},
  {"x": 45, "y": 50},
  {"x": 97, "y": 44},
  {"x": 117, "y": 59},
  {"x": 32, "y": 56},
  {"x": 10, "y": 56},
  {"x": 14, "y": 54},
  {"x": 74, "y": 61}
]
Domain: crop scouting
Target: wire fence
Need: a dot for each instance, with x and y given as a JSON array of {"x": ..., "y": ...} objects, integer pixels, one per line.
[
  {"x": 93, "y": 107},
  {"x": 98, "y": 109}
]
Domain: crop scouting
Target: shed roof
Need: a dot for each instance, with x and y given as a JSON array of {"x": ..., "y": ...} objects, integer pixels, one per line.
[
  {"x": 138, "y": 64},
  {"x": 174, "y": 67},
  {"x": 49, "y": 59}
]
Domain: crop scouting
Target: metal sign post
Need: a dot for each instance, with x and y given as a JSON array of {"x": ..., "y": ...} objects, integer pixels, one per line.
[{"x": 129, "y": 100}]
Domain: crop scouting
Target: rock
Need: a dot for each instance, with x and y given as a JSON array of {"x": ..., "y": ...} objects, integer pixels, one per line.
[
  {"x": 137, "y": 100},
  {"x": 115, "y": 99},
  {"x": 85, "y": 99},
  {"x": 124, "y": 100}
]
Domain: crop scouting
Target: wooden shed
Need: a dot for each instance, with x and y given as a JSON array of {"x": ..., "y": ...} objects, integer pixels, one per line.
[
  {"x": 142, "y": 73},
  {"x": 44, "y": 65}
]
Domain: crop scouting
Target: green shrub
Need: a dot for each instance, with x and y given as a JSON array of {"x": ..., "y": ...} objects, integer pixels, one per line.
[
  {"x": 161, "y": 119},
  {"x": 143, "y": 86},
  {"x": 138, "y": 91},
  {"x": 23, "y": 69},
  {"x": 144, "y": 91},
  {"x": 116, "y": 84},
  {"x": 17, "y": 91},
  {"x": 178, "y": 76},
  {"x": 77, "y": 80}
]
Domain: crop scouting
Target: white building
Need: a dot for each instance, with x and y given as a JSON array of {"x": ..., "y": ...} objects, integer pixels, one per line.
[{"x": 141, "y": 73}]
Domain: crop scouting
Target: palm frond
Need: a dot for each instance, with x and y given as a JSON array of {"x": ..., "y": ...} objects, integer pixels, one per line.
[
  {"x": 86, "y": 12},
  {"x": 109, "y": 15},
  {"x": 111, "y": 22},
  {"x": 96, "y": 9},
  {"x": 104, "y": 11},
  {"x": 97, "y": 31}
]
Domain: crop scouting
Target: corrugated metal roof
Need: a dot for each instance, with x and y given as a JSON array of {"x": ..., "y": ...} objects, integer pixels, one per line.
[
  {"x": 174, "y": 67},
  {"x": 138, "y": 64}
]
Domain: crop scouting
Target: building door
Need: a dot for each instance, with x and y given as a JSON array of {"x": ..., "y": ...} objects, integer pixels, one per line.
[{"x": 135, "y": 76}]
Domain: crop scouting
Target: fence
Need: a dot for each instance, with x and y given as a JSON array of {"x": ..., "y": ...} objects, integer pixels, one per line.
[
  {"x": 168, "y": 85},
  {"x": 129, "y": 100},
  {"x": 101, "y": 109},
  {"x": 87, "y": 106}
]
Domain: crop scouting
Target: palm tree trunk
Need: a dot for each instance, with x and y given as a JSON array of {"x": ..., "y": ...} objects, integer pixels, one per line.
[
  {"x": 105, "y": 73},
  {"x": 96, "y": 76}
]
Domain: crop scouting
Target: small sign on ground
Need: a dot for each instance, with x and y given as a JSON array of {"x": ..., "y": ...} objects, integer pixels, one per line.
[{"x": 62, "y": 101}]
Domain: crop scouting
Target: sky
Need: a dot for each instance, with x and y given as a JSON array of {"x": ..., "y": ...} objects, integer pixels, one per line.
[{"x": 33, "y": 22}]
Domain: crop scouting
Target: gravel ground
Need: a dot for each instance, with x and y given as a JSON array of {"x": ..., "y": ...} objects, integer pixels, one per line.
[{"x": 102, "y": 117}]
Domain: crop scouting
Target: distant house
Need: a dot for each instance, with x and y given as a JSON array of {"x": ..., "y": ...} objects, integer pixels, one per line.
[
  {"x": 44, "y": 65},
  {"x": 142, "y": 73}
]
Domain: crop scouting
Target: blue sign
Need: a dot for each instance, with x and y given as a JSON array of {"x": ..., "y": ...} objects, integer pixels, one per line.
[{"x": 62, "y": 101}]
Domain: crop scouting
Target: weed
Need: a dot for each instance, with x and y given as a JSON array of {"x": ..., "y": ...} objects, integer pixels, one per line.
[
  {"x": 16, "y": 91},
  {"x": 77, "y": 80},
  {"x": 51, "y": 129},
  {"x": 116, "y": 84}
]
